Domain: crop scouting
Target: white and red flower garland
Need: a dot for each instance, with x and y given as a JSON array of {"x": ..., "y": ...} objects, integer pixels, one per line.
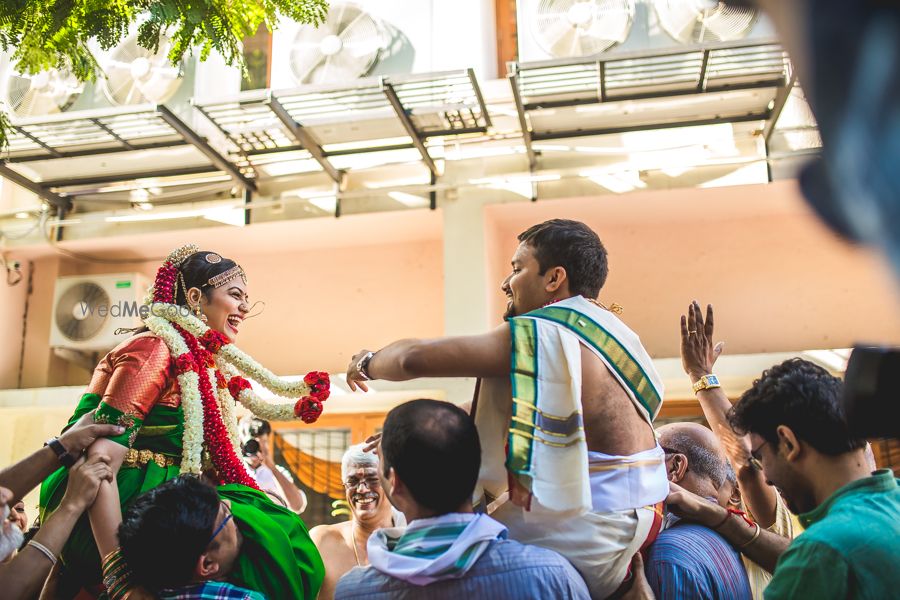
[{"x": 208, "y": 370}]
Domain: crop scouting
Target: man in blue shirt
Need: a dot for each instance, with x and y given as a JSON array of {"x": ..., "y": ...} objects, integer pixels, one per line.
[
  {"x": 689, "y": 560},
  {"x": 430, "y": 458}
]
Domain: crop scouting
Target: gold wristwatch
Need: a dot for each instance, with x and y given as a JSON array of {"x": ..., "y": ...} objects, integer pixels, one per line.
[{"x": 707, "y": 382}]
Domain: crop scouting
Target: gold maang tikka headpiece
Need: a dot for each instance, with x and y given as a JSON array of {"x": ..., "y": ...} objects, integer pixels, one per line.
[{"x": 226, "y": 276}]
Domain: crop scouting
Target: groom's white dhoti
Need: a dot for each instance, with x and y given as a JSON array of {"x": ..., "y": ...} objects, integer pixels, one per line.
[{"x": 595, "y": 509}]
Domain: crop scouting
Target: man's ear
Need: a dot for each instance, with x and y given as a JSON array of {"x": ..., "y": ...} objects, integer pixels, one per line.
[
  {"x": 555, "y": 278},
  {"x": 206, "y": 567},
  {"x": 736, "y": 499},
  {"x": 397, "y": 485},
  {"x": 788, "y": 443},
  {"x": 677, "y": 468}
]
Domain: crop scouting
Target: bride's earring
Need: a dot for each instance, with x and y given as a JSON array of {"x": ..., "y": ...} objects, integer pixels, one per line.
[{"x": 198, "y": 314}]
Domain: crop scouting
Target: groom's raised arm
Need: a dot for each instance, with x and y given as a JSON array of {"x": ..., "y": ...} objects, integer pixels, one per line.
[{"x": 485, "y": 355}]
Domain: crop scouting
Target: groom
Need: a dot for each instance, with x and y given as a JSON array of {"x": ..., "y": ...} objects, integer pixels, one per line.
[{"x": 564, "y": 407}]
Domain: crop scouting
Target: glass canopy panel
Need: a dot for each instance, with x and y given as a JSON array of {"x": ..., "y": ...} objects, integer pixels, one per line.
[
  {"x": 442, "y": 104},
  {"x": 564, "y": 83},
  {"x": 648, "y": 113},
  {"x": 92, "y": 131}
]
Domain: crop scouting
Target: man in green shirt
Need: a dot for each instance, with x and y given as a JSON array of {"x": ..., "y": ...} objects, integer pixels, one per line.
[{"x": 799, "y": 438}]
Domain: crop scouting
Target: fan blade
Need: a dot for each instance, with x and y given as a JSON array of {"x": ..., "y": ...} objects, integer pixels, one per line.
[
  {"x": 727, "y": 24},
  {"x": 611, "y": 24},
  {"x": 17, "y": 87},
  {"x": 160, "y": 85},
  {"x": 678, "y": 18},
  {"x": 112, "y": 64},
  {"x": 555, "y": 34},
  {"x": 35, "y": 104},
  {"x": 565, "y": 44},
  {"x": 302, "y": 75},
  {"x": 361, "y": 38}
]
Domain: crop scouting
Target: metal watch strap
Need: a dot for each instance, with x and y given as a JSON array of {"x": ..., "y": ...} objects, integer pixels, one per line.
[
  {"x": 363, "y": 365},
  {"x": 707, "y": 382},
  {"x": 65, "y": 459}
]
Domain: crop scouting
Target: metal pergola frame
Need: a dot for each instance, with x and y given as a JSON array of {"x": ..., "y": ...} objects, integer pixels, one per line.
[
  {"x": 311, "y": 120},
  {"x": 403, "y": 95},
  {"x": 676, "y": 64},
  {"x": 46, "y": 139}
]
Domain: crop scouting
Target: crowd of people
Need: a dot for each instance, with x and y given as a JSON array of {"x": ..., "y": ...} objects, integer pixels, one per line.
[{"x": 554, "y": 483}]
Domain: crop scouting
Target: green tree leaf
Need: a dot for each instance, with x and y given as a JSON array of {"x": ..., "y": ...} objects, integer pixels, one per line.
[{"x": 44, "y": 34}]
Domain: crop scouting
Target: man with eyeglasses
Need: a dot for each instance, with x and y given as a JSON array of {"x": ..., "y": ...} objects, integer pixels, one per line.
[
  {"x": 180, "y": 542},
  {"x": 800, "y": 441},
  {"x": 343, "y": 545}
]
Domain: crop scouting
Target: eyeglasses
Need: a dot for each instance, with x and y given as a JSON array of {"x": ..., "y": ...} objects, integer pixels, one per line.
[
  {"x": 754, "y": 458},
  {"x": 222, "y": 524},
  {"x": 371, "y": 483}
]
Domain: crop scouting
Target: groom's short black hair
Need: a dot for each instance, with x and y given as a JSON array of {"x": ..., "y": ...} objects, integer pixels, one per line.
[
  {"x": 165, "y": 531},
  {"x": 573, "y": 246},
  {"x": 434, "y": 449}
]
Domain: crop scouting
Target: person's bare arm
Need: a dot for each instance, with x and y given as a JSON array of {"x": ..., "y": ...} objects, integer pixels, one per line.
[
  {"x": 295, "y": 498},
  {"x": 328, "y": 541},
  {"x": 764, "y": 550},
  {"x": 698, "y": 356},
  {"x": 24, "y": 576},
  {"x": 106, "y": 512},
  {"x": 26, "y": 474},
  {"x": 485, "y": 355}
]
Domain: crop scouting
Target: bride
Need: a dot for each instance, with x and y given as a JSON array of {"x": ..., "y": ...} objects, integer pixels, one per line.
[{"x": 173, "y": 386}]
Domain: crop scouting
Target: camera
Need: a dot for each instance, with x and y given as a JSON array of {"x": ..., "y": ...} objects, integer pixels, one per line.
[
  {"x": 250, "y": 448},
  {"x": 872, "y": 392},
  {"x": 259, "y": 427}
]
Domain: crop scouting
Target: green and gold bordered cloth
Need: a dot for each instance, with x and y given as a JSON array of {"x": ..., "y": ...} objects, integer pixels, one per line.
[
  {"x": 278, "y": 557},
  {"x": 546, "y": 450}
]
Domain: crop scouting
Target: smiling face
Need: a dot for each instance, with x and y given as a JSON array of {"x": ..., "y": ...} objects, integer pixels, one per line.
[
  {"x": 525, "y": 287},
  {"x": 226, "y": 307},
  {"x": 18, "y": 517},
  {"x": 364, "y": 493},
  {"x": 779, "y": 473}
]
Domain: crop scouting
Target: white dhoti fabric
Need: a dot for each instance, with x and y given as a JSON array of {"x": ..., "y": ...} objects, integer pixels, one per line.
[
  {"x": 599, "y": 545},
  {"x": 596, "y": 510}
]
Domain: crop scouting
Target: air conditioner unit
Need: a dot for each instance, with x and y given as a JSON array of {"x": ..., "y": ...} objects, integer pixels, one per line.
[
  {"x": 385, "y": 37},
  {"x": 558, "y": 29},
  {"x": 87, "y": 310}
]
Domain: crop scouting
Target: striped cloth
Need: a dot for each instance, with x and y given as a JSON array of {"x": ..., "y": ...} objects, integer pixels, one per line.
[
  {"x": 694, "y": 562},
  {"x": 211, "y": 590},
  {"x": 434, "y": 549},
  {"x": 507, "y": 570}
]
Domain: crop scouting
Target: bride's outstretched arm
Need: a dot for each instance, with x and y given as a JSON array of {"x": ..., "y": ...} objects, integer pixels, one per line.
[{"x": 106, "y": 513}]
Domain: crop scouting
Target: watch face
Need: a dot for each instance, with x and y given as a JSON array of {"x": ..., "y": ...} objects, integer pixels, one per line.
[{"x": 712, "y": 380}]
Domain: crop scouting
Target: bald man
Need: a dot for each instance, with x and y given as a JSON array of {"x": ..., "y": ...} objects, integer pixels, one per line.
[
  {"x": 688, "y": 560},
  {"x": 343, "y": 545}
]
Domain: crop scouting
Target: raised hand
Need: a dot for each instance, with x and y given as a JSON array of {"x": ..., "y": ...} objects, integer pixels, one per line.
[
  {"x": 372, "y": 443},
  {"x": 698, "y": 355}
]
